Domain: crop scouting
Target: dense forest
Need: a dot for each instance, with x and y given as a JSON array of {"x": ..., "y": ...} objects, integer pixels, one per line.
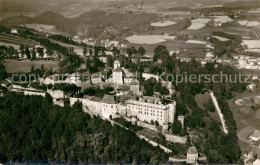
[{"x": 34, "y": 129}]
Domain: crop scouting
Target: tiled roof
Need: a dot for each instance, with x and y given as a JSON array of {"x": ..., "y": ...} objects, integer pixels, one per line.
[
  {"x": 134, "y": 82},
  {"x": 192, "y": 150},
  {"x": 118, "y": 69},
  {"x": 109, "y": 99}
]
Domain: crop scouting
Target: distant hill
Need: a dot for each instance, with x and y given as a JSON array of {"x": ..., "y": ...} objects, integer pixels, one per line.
[
  {"x": 7, "y": 6},
  {"x": 87, "y": 21},
  {"x": 243, "y": 3}
]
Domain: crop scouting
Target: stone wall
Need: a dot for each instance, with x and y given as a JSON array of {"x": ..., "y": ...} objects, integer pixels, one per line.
[
  {"x": 34, "y": 93},
  {"x": 175, "y": 138},
  {"x": 155, "y": 144},
  {"x": 176, "y": 160},
  {"x": 146, "y": 125}
]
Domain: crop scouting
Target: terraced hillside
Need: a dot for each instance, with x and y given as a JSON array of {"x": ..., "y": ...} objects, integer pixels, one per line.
[{"x": 6, "y": 38}]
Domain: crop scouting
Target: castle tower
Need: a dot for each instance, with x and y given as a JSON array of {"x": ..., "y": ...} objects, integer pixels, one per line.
[{"x": 116, "y": 64}]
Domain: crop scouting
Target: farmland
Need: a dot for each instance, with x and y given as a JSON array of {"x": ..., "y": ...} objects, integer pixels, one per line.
[
  {"x": 171, "y": 29},
  {"x": 163, "y": 23},
  {"x": 192, "y": 49},
  {"x": 198, "y": 23},
  {"x": 44, "y": 28},
  {"x": 252, "y": 44},
  {"x": 15, "y": 40},
  {"x": 77, "y": 49},
  {"x": 149, "y": 39},
  {"x": 8, "y": 44},
  {"x": 196, "y": 42},
  {"x": 24, "y": 66},
  {"x": 221, "y": 38},
  {"x": 195, "y": 26}
]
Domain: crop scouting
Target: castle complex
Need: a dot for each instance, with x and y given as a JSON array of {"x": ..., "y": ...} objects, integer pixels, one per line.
[{"x": 141, "y": 109}]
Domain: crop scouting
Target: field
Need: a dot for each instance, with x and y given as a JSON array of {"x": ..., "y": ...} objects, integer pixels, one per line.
[
  {"x": 198, "y": 23},
  {"x": 77, "y": 49},
  {"x": 223, "y": 19},
  {"x": 44, "y": 28},
  {"x": 243, "y": 22},
  {"x": 8, "y": 44},
  {"x": 252, "y": 44},
  {"x": 253, "y": 23},
  {"x": 171, "y": 30},
  {"x": 196, "y": 42},
  {"x": 24, "y": 66},
  {"x": 195, "y": 26},
  {"x": 192, "y": 50},
  {"x": 15, "y": 40},
  {"x": 221, "y": 38},
  {"x": 149, "y": 39},
  {"x": 201, "y": 20},
  {"x": 163, "y": 23},
  {"x": 253, "y": 50}
]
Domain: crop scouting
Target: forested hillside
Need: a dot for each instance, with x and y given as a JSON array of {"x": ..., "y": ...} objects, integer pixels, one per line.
[{"x": 32, "y": 128}]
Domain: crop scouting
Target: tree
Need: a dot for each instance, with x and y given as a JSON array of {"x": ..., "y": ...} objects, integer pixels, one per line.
[
  {"x": 149, "y": 86},
  {"x": 210, "y": 106},
  {"x": 129, "y": 51},
  {"x": 3, "y": 73},
  {"x": 90, "y": 52},
  {"x": 27, "y": 53},
  {"x": 164, "y": 91},
  {"x": 21, "y": 48},
  {"x": 176, "y": 127},
  {"x": 88, "y": 64},
  {"x": 134, "y": 50},
  {"x": 110, "y": 61},
  {"x": 40, "y": 51},
  {"x": 33, "y": 54},
  {"x": 85, "y": 51},
  {"x": 141, "y": 51},
  {"x": 156, "y": 123},
  {"x": 160, "y": 52},
  {"x": 183, "y": 132},
  {"x": 115, "y": 51}
]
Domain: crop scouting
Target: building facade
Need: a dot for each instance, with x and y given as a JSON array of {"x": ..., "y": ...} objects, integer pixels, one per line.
[{"x": 145, "y": 111}]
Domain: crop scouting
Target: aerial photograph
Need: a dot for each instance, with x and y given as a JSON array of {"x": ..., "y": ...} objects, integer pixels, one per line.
[{"x": 129, "y": 82}]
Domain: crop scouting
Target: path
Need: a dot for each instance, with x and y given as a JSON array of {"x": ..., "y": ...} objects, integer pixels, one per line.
[{"x": 219, "y": 112}]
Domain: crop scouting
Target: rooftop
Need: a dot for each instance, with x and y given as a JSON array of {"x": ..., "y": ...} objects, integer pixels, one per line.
[
  {"x": 192, "y": 150},
  {"x": 118, "y": 69},
  {"x": 109, "y": 99}
]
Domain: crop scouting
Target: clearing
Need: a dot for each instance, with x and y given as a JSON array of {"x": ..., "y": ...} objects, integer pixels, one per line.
[{"x": 252, "y": 44}]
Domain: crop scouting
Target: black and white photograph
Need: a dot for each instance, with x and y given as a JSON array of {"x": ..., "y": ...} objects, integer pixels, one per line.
[{"x": 129, "y": 82}]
